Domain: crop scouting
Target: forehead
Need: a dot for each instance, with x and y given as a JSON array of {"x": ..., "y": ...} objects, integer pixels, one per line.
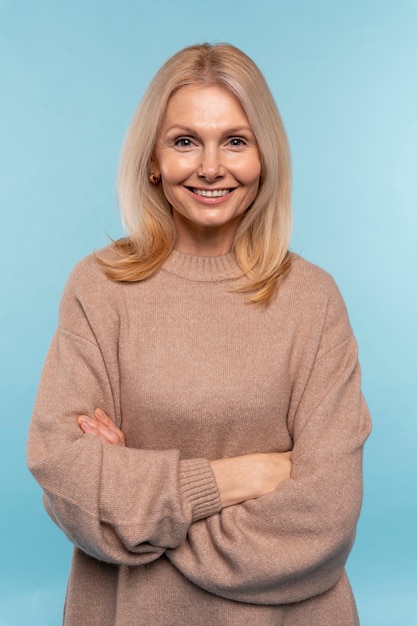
[{"x": 204, "y": 105}]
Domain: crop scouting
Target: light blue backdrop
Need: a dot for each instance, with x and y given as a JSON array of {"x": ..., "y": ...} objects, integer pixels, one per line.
[{"x": 344, "y": 76}]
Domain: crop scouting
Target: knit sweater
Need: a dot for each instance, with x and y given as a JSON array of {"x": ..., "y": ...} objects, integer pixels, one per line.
[{"x": 191, "y": 372}]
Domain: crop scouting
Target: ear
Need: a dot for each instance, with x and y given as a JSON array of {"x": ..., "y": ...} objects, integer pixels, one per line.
[{"x": 154, "y": 167}]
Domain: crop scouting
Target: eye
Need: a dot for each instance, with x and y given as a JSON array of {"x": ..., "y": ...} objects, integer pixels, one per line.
[
  {"x": 183, "y": 142},
  {"x": 237, "y": 142}
]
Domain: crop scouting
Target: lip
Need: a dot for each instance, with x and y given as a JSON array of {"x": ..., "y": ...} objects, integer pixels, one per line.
[{"x": 217, "y": 199}]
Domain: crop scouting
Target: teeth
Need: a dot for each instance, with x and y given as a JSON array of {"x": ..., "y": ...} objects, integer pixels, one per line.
[{"x": 211, "y": 193}]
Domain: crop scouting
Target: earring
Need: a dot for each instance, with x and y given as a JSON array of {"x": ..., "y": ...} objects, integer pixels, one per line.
[{"x": 154, "y": 179}]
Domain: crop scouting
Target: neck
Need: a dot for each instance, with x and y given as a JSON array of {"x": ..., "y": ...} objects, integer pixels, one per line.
[
  {"x": 203, "y": 248},
  {"x": 205, "y": 241}
]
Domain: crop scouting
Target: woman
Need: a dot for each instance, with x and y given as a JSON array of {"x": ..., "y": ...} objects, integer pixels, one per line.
[{"x": 199, "y": 425}]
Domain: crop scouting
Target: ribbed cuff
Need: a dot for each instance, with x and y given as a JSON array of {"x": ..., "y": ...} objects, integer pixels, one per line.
[{"x": 198, "y": 488}]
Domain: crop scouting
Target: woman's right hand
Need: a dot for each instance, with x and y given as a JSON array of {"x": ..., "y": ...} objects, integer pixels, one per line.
[{"x": 250, "y": 476}]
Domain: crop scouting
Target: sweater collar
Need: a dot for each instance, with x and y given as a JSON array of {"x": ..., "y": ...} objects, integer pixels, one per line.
[{"x": 202, "y": 268}]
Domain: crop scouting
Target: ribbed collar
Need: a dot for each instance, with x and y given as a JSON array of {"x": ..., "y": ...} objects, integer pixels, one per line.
[{"x": 202, "y": 268}]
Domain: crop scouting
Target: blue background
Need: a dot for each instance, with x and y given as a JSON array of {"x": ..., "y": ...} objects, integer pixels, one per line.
[{"x": 344, "y": 76}]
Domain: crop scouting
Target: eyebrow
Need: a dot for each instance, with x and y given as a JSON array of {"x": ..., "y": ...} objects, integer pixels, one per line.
[{"x": 190, "y": 131}]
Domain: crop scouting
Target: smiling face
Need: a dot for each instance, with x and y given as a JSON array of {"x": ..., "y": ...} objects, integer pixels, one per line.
[{"x": 208, "y": 160}]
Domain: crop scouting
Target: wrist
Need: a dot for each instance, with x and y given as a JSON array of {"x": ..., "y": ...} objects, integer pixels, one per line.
[{"x": 238, "y": 478}]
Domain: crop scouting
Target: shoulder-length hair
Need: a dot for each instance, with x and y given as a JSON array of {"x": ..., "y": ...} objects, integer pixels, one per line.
[{"x": 262, "y": 238}]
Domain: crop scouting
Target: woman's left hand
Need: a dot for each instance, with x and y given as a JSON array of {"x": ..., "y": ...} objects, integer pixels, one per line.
[{"x": 102, "y": 427}]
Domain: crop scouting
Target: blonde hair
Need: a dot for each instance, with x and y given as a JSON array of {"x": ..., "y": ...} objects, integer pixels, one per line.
[{"x": 262, "y": 239}]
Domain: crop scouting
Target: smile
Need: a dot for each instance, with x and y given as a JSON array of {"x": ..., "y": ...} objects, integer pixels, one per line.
[{"x": 211, "y": 193}]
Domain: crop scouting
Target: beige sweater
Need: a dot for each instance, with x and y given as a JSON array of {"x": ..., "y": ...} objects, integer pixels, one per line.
[{"x": 191, "y": 372}]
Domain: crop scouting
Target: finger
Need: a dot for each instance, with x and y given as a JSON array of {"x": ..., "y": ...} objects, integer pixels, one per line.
[
  {"x": 103, "y": 418},
  {"x": 102, "y": 432},
  {"x": 88, "y": 427}
]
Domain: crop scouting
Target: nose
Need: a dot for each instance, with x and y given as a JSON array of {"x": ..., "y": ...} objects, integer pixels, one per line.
[{"x": 211, "y": 167}]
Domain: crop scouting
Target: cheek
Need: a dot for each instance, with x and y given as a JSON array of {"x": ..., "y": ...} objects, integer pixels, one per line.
[
  {"x": 175, "y": 169},
  {"x": 169, "y": 172},
  {"x": 169, "y": 190},
  {"x": 250, "y": 173}
]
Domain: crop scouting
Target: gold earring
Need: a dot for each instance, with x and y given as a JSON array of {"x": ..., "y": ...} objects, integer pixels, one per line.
[{"x": 154, "y": 179}]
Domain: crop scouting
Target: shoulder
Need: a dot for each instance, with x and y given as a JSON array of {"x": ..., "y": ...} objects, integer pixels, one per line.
[
  {"x": 89, "y": 293},
  {"x": 311, "y": 293},
  {"x": 88, "y": 275},
  {"x": 310, "y": 285},
  {"x": 310, "y": 277}
]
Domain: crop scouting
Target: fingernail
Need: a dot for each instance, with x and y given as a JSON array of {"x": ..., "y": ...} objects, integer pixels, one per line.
[
  {"x": 99, "y": 412},
  {"x": 83, "y": 419}
]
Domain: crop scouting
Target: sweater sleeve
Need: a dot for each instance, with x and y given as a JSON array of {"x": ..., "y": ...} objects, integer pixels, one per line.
[
  {"x": 119, "y": 505},
  {"x": 293, "y": 543}
]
